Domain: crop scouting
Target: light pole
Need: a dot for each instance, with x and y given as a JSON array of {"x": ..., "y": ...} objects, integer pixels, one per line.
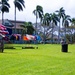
[{"x": 0, "y": 7}]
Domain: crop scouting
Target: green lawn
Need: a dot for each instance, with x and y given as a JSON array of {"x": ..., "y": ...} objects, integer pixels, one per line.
[{"x": 46, "y": 60}]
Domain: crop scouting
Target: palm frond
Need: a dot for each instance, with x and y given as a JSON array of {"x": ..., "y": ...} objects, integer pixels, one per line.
[
  {"x": 5, "y": 6},
  {"x": 19, "y": 4}
]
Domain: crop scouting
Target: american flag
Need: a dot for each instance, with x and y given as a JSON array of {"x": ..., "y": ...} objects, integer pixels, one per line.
[
  {"x": 2, "y": 27},
  {"x": 3, "y": 30}
]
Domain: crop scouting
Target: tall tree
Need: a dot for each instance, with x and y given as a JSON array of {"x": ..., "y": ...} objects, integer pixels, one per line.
[
  {"x": 73, "y": 21},
  {"x": 73, "y": 24},
  {"x": 61, "y": 13},
  {"x": 4, "y": 8},
  {"x": 30, "y": 28},
  {"x": 46, "y": 22},
  {"x": 27, "y": 28},
  {"x": 38, "y": 12},
  {"x": 73, "y": 29},
  {"x": 54, "y": 21},
  {"x": 66, "y": 21},
  {"x": 18, "y": 4}
]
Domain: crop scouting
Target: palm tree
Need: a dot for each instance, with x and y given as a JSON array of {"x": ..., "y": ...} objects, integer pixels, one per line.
[
  {"x": 73, "y": 21},
  {"x": 4, "y": 8},
  {"x": 27, "y": 28},
  {"x": 38, "y": 12},
  {"x": 61, "y": 13},
  {"x": 30, "y": 28},
  {"x": 73, "y": 29},
  {"x": 66, "y": 20},
  {"x": 54, "y": 21},
  {"x": 24, "y": 30},
  {"x": 18, "y": 4},
  {"x": 46, "y": 22}
]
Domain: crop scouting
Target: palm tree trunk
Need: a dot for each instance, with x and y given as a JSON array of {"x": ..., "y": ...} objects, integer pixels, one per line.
[
  {"x": 59, "y": 33},
  {"x": 35, "y": 29},
  {"x": 2, "y": 17},
  {"x": 65, "y": 35},
  {"x": 52, "y": 33},
  {"x": 72, "y": 35},
  {"x": 36, "y": 25},
  {"x": 44, "y": 35},
  {"x": 15, "y": 20}
]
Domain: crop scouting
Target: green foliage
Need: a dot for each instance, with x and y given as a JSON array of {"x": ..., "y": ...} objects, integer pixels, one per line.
[
  {"x": 46, "y": 60},
  {"x": 30, "y": 29},
  {"x": 73, "y": 21},
  {"x": 38, "y": 12},
  {"x": 27, "y": 28},
  {"x": 46, "y": 19},
  {"x": 19, "y": 4},
  {"x": 5, "y": 6},
  {"x": 70, "y": 38}
]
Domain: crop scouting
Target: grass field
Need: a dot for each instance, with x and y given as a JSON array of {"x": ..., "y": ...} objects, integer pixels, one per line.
[{"x": 48, "y": 59}]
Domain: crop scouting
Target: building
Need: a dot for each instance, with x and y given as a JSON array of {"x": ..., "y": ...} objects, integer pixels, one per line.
[{"x": 10, "y": 24}]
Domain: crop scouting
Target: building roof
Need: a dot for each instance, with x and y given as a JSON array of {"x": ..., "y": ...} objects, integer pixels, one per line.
[
  {"x": 18, "y": 23},
  {"x": 11, "y": 23}
]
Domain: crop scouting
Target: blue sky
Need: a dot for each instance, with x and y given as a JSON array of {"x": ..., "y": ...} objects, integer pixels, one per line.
[{"x": 49, "y": 6}]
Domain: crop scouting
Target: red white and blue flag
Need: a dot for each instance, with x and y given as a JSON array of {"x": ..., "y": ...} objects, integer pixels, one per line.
[{"x": 3, "y": 30}]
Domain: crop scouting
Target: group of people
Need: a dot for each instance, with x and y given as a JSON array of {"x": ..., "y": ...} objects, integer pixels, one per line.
[{"x": 15, "y": 37}]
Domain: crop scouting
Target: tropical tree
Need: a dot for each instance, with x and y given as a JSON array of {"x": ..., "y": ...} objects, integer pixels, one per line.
[
  {"x": 30, "y": 29},
  {"x": 61, "y": 13},
  {"x": 27, "y": 28},
  {"x": 46, "y": 22},
  {"x": 73, "y": 24},
  {"x": 73, "y": 21},
  {"x": 72, "y": 29},
  {"x": 54, "y": 21},
  {"x": 18, "y": 4},
  {"x": 38, "y": 12},
  {"x": 4, "y": 7},
  {"x": 66, "y": 21}
]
